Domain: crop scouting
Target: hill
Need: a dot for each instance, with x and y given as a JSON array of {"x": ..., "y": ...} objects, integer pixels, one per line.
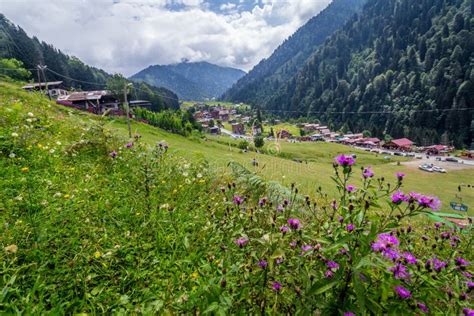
[
  {"x": 15, "y": 43},
  {"x": 402, "y": 67},
  {"x": 271, "y": 73},
  {"x": 93, "y": 221},
  {"x": 191, "y": 81}
]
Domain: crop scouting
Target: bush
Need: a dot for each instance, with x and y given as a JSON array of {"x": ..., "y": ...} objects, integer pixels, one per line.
[
  {"x": 243, "y": 145},
  {"x": 258, "y": 142}
]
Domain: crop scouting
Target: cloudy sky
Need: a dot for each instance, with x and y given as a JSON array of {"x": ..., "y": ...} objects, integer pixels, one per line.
[{"x": 128, "y": 35}]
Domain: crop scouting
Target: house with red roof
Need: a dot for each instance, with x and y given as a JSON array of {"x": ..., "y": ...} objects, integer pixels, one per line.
[{"x": 403, "y": 144}]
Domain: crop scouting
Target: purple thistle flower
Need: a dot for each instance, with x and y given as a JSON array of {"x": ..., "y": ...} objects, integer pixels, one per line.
[
  {"x": 402, "y": 292},
  {"x": 437, "y": 225},
  {"x": 113, "y": 154},
  {"x": 350, "y": 227},
  {"x": 334, "y": 204},
  {"x": 470, "y": 285},
  {"x": 286, "y": 202},
  {"x": 400, "y": 176},
  {"x": 409, "y": 258},
  {"x": 340, "y": 219},
  {"x": 367, "y": 173},
  {"x": 276, "y": 286},
  {"x": 129, "y": 145},
  {"x": 294, "y": 223},
  {"x": 332, "y": 265},
  {"x": 262, "y": 201},
  {"x": 345, "y": 161},
  {"x": 349, "y": 314},
  {"x": 328, "y": 274},
  {"x": 279, "y": 261},
  {"x": 398, "y": 197},
  {"x": 467, "y": 275},
  {"x": 284, "y": 229},
  {"x": 241, "y": 242},
  {"x": 468, "y": 311},
  {"x": 350, "y": 188},
  {"x": 438, "y": 265},
  {"x": 384, "y": 242},
  {"x": 423, "y": 308},
  {"x": 262, "y": 264},
  {"x": 293, "y": 244},
  {"x": 306, "y": 248},
  {"x": 429, "y": 202},
  {"x": 399, "y": 271},
  {"x": 279, "y": 208},
  {"x": 462, "y": 262},
  {"x": 237, "y": 200},
  {"x": 391, "y": 254}
]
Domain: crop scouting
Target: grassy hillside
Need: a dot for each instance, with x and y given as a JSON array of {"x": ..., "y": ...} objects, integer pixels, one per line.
[{"x": 95, "y": 223}]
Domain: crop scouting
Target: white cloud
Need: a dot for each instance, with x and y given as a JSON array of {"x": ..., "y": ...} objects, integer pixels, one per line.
[{"x": 128, "y": 35}]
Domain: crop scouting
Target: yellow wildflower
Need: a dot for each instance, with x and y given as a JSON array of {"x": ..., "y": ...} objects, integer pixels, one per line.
[
  {"x": 174, "y": 191},
  {"x": 25, "y": 169},
  {"x": 194, "y": 275},
  {"x": 97, "y": 254},
  {"x": 11, "y": 249},
  {"x": 66, "y": 196}
]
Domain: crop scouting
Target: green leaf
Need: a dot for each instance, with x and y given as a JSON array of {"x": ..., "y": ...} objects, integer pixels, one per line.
[{"x": 322, "y": 286}]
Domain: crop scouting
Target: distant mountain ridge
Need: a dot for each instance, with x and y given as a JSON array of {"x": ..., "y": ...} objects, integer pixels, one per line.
[
  {"x": 272, "y": 73},
  {"x": 191, "y": 80}
]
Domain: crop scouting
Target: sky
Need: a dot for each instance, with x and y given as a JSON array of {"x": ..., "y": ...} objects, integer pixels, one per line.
[{"x": 126, "y": 36}]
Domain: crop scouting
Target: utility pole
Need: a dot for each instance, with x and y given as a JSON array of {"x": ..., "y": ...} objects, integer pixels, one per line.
[
  {"x": 42, "y": 68},
  {"x": 39, "y": 78},
  {"x": 127, "y": 108}
]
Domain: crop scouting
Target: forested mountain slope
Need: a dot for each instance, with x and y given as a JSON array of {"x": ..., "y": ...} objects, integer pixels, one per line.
[
  {"x": 191, "y": 80},
  {"x": 402, "y": 67},
  {"x": 273, "y": 72}
]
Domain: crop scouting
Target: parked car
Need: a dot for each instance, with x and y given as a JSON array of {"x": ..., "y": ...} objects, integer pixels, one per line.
[
  {"x": 439, "y": 169},
  {"x": 426, "y": 167},
  {"x": 399, "y": 154},
  {"x": 451, "y": 159},
  {"x": 438, "y": 158},
  {"x": 410, "y": 154}
]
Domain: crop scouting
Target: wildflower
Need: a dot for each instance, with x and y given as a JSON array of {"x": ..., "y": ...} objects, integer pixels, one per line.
[
  {"x": 467, "y": 275},
  {"x": 194, "y": 275},
  {"x": 461, "y": 262},
  {"x": 340, "y": 219},
  {"x": 438, "y": 265},
  {"x": 199, "y": 176},
  {"x": 284, "y": 229},
  {"x": 423, "y": 308},
  {"x": 409, "y": 258},
  {"x": 113, "y": 154},
  {"x": 350, "y": 227},
  {"x": 293, "y": 244},
  {"x": 398, "y": 197},
  {"x": 437, "y": 225},
  {"x": 400, "y": 176},
  {"x": 129, "y": 145},
  {"x": 350, "y": 188},
  {"x": 12, "y": 155},
  {"x": 402, "y": 292},
  {"x": 30, "y": 114},
  {"x": 349, "y": 314},
  {"x": 470, "y": 285},
  {"x": 332, "y": 265},
  {"x": 367, "y": 173},
  {"x": 262, "y": 201},
  {"x": 384, "y": 242},
  {"x": 279, "y": 261},
  {"x": 51, "y": 151},
  {"x": 24, "y": 169},
  {"x": 11, "y": 249},
  {"x": 345, "y": 161},
  {"x": 468, "y": 311},
  {"x": 286, "y": 202},
  {"x": 66, "y": 196},
  {"x": 334, "y": 204},
  {"x": 306, "y": 248},
  {"x": 58, "y": 143},
  {"x": 294, "y": 223},
  {"x": 262, "y": 264},
  {"x": 399, "y": 271},
  {"x": 237, "y": 200},
  {"x": 276, "y": 286},
  {"x": 279, "y": 208},
  {"x": 328, "y": 274},
  {"x": 97, "y": 254},
  {"x": 14, "y": 134},
  {"x": 429, "y": 201},
  {"x": 241, "y": 242}
]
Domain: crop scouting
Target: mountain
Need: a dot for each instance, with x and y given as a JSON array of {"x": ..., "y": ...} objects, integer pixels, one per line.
[
  {"x": 15, "y": 43},
  {"x": 270, "y": 74},
  {"x": 403, "y": 68},
  {"x": 191, "y": 81}
]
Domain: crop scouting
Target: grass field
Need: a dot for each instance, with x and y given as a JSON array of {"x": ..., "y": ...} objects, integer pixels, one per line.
[{"x": 316, "y": 172}]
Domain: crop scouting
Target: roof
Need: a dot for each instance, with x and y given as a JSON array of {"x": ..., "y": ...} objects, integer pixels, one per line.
[
  {"x": 85, "y": 95},
  {"x": 372, "y": 139},
  {"x": 438, "y": 147},
  {"x": 41, "y": 84},
  {"x": 402, "y": 142}
]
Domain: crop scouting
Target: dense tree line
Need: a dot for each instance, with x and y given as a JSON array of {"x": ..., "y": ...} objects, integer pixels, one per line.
[
  {"x": 15, "y": 43},
  {"x": 272, "y": 73},
  {"x": 412, "y": 59},
  {"x": 178, "y": 122}
]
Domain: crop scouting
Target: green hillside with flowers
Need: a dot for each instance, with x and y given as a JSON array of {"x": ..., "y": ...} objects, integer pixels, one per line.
[{"x": 95, "y": 223}]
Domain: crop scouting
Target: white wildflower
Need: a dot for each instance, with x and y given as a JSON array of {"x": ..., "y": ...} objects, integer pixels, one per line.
[
  {"x": 12, "y": 155},
  {"x": 14, "y": 134},
  {"x": 30, "y": 114}
]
